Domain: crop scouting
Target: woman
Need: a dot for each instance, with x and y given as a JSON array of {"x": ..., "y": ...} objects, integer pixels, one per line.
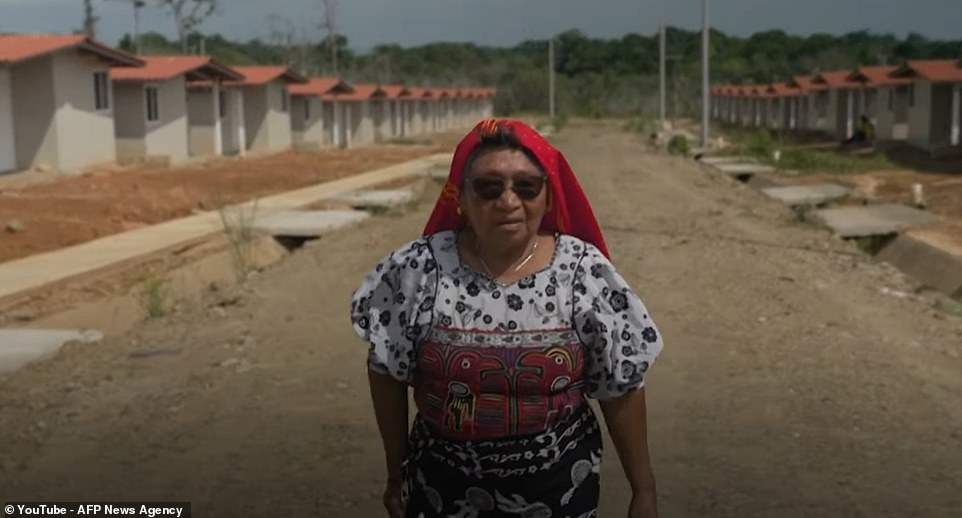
[{"x": 504, "y": 317}]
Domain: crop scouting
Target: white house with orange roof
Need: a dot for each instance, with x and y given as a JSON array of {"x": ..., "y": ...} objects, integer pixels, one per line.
[
  {"x": 815, "y": 104},
  {"x": 310, "y": 119},
  {"x": 487, "y": 105},
  {"x": 361, "y": 110},
  {"x": 56, "y": 101},
  {"x": 393, "y": 97},
  {"x": 935, "y": 105},
  {"x": 447, "y": 98},
  {"x": 887, "y": 103},
  {"x": 152, "y": 119},
  {"x": 411, "y": 110},
  {"x": 846, "y": 102},
  {"x": 266, "y": 105}
]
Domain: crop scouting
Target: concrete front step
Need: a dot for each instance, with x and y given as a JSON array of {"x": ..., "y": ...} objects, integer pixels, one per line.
[
  {"x": 377, "y": 198},
  {"x": 719, "y": 160},
  {"x": 810, "y": 195},
  {"x": 307, "y": 223},
  {"x": 873, "y": 220},
  {"x": 19, "y": 347},
  {"x": 744, "y": 168}
]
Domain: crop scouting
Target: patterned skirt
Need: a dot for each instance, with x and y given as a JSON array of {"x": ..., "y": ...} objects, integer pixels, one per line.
[{"x": 554, "y": 474}]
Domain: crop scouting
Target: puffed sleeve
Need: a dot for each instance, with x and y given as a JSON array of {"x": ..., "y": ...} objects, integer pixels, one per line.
[
  {"x": 392, "y": 308},
  {"x": 620, "y": 339}
]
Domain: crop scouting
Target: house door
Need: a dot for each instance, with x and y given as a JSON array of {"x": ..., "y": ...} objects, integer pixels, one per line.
[{"x": 8, "y": 159}]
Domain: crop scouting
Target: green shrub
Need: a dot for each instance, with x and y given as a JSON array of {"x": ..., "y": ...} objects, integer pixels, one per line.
[{"x": 679, "y": 145}]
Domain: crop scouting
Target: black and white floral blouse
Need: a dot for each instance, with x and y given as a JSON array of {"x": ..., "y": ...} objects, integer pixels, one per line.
[{"x": 488, "y": 359}]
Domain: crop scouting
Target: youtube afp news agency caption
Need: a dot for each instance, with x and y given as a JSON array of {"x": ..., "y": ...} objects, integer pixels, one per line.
[{"x": 97, "y": 509}]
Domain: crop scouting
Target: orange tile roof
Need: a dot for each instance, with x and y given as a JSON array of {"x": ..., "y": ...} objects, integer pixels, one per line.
[
  {"x": 395, "y": 91},
  {"x": 419, "y": 93},
  {"x": 804, "y": 84},
  {"x": 834, "y": 80},
  {"x": 163, "y": 68},
  {"x": 261, "y": 75},
  {"x": 321, "y": 86},
  {"x": 19, "y": 47},
  {"x": 937, "y": 70},
  {"x": 757, "y": 91},
  {"x": 784, "y": 90},
  {"x": 877, "y": 76},
  {"x": 361, "y": 92}
]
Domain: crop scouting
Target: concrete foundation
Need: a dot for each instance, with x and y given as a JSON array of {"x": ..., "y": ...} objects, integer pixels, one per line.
[
  {"x": 307, "y": 223},
  {"x": 18, "y": 347},
  {"x": 872, "y": 220},
  {"x": 928, "y": 264},
  {"x": 811, "y": 195}
]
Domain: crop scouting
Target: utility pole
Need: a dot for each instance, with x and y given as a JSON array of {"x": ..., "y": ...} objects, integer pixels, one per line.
[
  {"x": 662, "y": 104},
  {"x": 705, "y": 98},
  {"x": 90, "y": 21},
  {"x": 330, "y": 24},
  {"x": 551, "y": 90},
  {"x": 137, "y": 5}
]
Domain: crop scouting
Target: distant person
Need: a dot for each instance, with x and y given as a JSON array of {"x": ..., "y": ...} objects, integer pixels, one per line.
[
  {"x": 504, "y": 317},
  {"x": 864, "y": 134}
]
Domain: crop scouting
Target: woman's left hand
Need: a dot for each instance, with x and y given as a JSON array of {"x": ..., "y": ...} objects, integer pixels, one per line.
[{"x": 643, "y": 505}]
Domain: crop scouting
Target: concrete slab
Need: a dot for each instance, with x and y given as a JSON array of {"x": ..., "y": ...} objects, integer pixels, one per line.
[
  {"x": 812, "y": 195},
  {"x": 307, "y": 223},
  {"x": 717, "y": 160},
  {"x": 926, "y": 263},
  {"x": 18, "y": 347},
  {"x": 377, "y": 198},
  {"x": 873, "y": 220},
  {"x": 744, "y": 168}
]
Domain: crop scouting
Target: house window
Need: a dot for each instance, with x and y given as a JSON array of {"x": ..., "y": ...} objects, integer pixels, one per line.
[
  {"x": 101, "y": 91},
  {"x": 911, "y": 95},
  {"x": 153, "y": 111},
  {"x": 284, "y": 100},
  {"x": 307, "y": 108},
  {"x": 222, "y": 103},
  {"x": 891, "y": 99}
]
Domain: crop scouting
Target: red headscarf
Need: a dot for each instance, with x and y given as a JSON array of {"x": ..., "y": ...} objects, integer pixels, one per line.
[{"x": 570, "y": 213}]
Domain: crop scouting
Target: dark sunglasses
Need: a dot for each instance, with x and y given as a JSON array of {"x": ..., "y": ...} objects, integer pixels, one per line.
[{"x": 526, "y": 187}]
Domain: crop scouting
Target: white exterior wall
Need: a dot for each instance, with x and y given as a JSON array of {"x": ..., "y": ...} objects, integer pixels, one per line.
[
  {"x": 362, "y": 125},
  {"x": 167, "y": 137},
  {"x": 278, "y": 117},
  {"x": 307, "y": 122},
  {"x": 8, "y": 158},
  {"x": 891, "y": 113},
  {"x": 920, "y": 110},
  {"x": 84, "y": 135}
]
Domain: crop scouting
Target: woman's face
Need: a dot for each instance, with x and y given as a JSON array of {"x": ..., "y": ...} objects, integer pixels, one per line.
[{"x": 505, "y": 197}]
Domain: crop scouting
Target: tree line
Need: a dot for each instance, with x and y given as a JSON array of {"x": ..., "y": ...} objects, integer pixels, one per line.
[{"x": 594, "y": 76}]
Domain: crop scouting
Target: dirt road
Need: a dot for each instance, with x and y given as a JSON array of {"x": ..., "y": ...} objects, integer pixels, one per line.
[{"x": 792, "y": 383}]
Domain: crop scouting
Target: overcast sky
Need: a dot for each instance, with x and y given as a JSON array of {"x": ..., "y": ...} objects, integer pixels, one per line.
[{"x": 504, "y": 22}]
